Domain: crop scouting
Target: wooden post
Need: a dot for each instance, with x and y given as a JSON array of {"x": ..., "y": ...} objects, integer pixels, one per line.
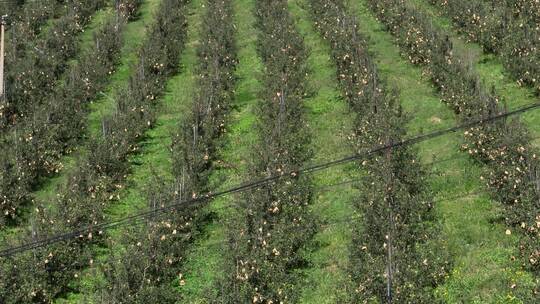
[
  {"x": 2, "y": 86},
  {"x": 117, "y": 5}
]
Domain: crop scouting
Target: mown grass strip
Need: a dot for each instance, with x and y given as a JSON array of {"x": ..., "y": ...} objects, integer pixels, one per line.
[
  {"x": 31, "y": 153},
  {"x": 33, "y": 78},
  {"x": 92, "y": 187},
  {"x": 331, "y": 121},
  {"x": 490, "y": 68},
  {"x": 153, "y": 157},
  {"x": 133, "y": 37},
  {"x": 155, "y": 255},
  {"x": 483, "y": 272},
  {"x": 394, "y": 202},
  {"x": 103, "y": 105},
  {"x": 45, "y": 191},
  {"x": 204, "y": 264},
  {"x": 508, "y": 29},
  {"x": 273, "y": 223},
  {"x": 85, "y": 39}
]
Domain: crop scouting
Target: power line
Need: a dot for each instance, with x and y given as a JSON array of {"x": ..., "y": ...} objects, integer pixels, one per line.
[
  {"x": 346, "y": 220},
  {"x": 327, "y": 187},
  {"x": 251, "y": 185},
  {"x": 322, "y": 225},
  {"x": 350, "y": 219},
  {"x": 108, "y": 258},
  {"x": 254, "y": 184},
  {"x": 111, "y": 257}
]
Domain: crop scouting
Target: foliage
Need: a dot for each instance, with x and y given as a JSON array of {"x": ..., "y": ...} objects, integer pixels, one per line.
[
  {"x": 34, "y": 146},
  {"x": 503, "y": 146},
  {"x": 37, "y": 65},
  {"x": 196, "y": 143},
  {"x": 12, "y": 7},
  {"x": 149, "y": 270},
  {"x": 129, "y": 9},
  {"x": 395, "y": 243},
  {"x": 26, "y": 23},
  {"x": 90, "y": 188},
  {"x": 506, "y": 27},
  {"x": 272, "y": 221},
  {"x": 151, "y": 265},
  {"x": 33, "y": 73}
]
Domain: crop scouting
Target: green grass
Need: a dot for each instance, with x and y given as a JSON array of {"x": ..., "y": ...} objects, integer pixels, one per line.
[
  {"x": 153, "y": 158},
  {"x": 60, "y": 11},
  {"x": 204, "y": 261},
  {"x": 483, "y": 271},
  {"x": 86, "y": 38},
  {"x": 471, "y": 228},
  {"x": 328, "y": 116},
  {"x": 331, "y": 122},
  {"x": 132, "y": 40},
  {"x": 490, "y": 69},
  {"x": 48, "y": 187}
]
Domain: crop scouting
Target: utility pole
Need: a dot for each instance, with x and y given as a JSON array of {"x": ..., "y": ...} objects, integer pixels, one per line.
[{"x": 2, "y": 86}]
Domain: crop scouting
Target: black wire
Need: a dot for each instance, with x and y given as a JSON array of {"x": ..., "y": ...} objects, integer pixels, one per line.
[
  {"x": 254, "y": 184},
  {"x": 346, "y": 220}
]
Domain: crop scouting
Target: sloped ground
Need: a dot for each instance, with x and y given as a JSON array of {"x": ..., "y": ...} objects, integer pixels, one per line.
[{"x": 483, "y": 268}]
